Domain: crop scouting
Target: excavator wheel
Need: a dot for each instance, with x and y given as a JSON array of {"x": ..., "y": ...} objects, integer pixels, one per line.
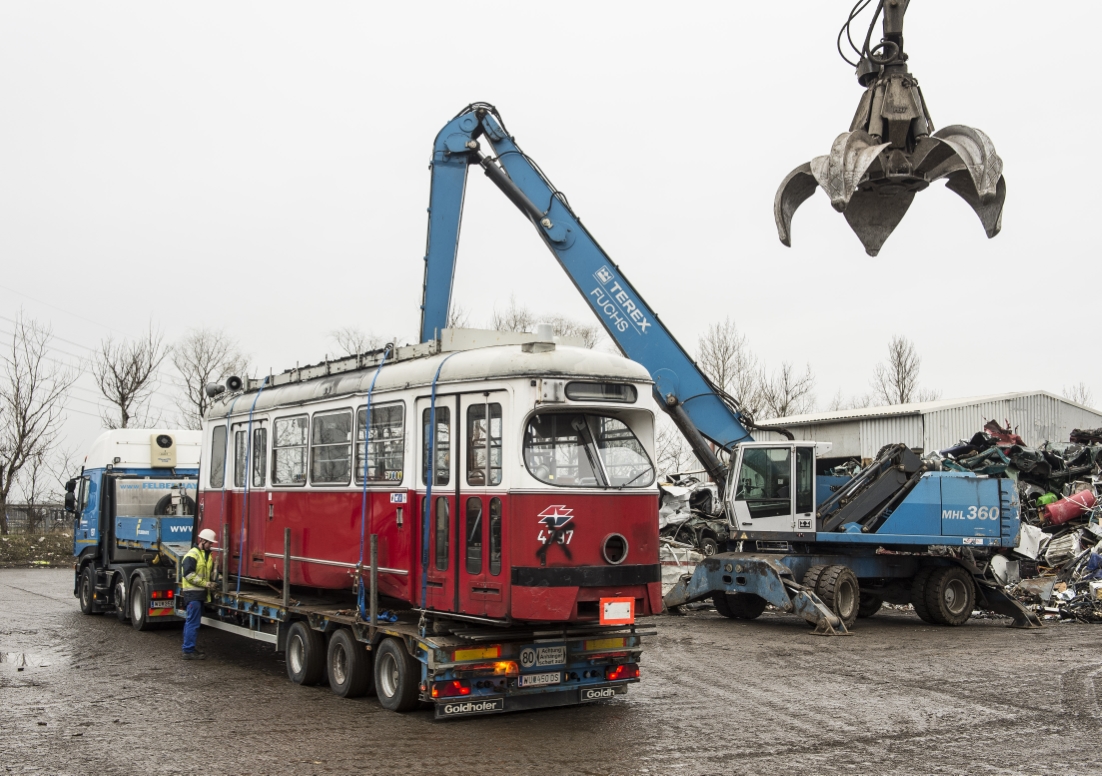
[
  {"x": 719, "y": 601},
  {"x": 950, "y": 595},
  {"x": 739, "y": 606},
  {"x": 840, "y": 592},
  {"x": 918, "y": 593},
  {"x": 811, "y": 578},
  {"x": 870, "y": 605}
]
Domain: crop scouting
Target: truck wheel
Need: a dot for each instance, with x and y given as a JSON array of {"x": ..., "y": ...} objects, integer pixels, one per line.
[
  {"x": 918, "y": 593},
  {"x": 88, "y": 590},
  {"x": 139, "y": 606},
  {"x": 719, "y": 601},
  {"x": 950, "y": 595},
  {"x": 811, "y": 578},
  {"x": 870, "y": 605},
  {"x": 349, "y": 662},
  {"x": 840, "y": 592},
  {"x": 121, "y": 610},
  {"x": 397, "y": 676},
  {"x": 305, "y": 654}
]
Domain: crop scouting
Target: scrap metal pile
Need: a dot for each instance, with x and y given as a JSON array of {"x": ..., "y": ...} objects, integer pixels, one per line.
[
  {"x": 1059, "y": 485},
  {"x": 691, "y": 513}
]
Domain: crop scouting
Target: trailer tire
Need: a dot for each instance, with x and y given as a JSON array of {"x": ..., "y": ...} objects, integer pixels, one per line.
[
  {"x": 349, "y": 665},
  {"x": 138, "y": 601},
  {"x": 121, "y": 610},
  {"x": 840, "y": 592},
  {"x": 87, "y": 590},
  {"x": 918, "y": 593},
  {"x": 305, "y": 654},
  {"x": 719, "y": 601},
  {"x": 870, "y": 605},
  {"x": 397, "y": 676},
  {"x": 950, "y": 595}
]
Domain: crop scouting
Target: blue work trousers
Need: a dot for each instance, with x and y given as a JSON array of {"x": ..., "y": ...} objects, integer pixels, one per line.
[{"x": 191, "y": 624}]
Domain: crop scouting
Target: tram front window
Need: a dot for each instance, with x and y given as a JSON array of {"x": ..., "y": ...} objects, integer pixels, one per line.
[{"x": 573, "y": 449}]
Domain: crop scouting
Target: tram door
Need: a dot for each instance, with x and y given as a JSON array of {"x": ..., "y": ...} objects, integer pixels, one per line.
[
  {"x": 482, "y": 575},
  {"x": 438, "y": 508},
  {"x": 250, "y": 498}
]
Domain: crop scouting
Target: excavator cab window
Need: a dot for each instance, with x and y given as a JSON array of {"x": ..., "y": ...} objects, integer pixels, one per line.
[{"x": 765, "y": 481}]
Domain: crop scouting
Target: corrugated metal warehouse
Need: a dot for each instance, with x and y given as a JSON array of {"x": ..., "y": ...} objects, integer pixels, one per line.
[{"x": 1038, "y": 416}]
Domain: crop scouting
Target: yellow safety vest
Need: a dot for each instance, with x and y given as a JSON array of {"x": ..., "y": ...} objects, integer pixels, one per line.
[{"x": 204, "y": 565}]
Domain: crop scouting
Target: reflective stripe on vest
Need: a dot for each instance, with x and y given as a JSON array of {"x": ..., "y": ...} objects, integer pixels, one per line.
[{"x": 203, "y": 567}]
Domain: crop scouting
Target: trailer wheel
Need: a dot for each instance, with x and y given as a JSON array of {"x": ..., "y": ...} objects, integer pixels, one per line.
[
  {"x": 397, "y": 676},
  {"x": 139, "y": 606},
  {"x": 719, "y": 601},
  {"x": 305, "y": 654},
  {"x": 121, "y": 610},
  {"x": 950, "y": 595},
  {"x": 918, "y": 593},
  {"x": 840, "y": 592},
  {"x": 88, "y": 590},
  {"x": 349, "y": 663},
  {"x": 870, "y": 605}
]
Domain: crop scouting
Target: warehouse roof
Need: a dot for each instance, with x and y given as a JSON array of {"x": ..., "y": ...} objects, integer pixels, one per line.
[{"x": 913, "y": 408}]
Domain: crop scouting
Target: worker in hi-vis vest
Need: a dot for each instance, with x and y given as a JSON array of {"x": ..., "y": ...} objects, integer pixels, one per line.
[{"x": 195, "y": 586}]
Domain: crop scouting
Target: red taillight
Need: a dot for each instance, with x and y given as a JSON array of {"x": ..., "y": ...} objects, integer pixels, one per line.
[
  {"x": 156, "y": 594},
  {"x": 622, "y": 671},
  {"x": 171, "y": 593},
  {"x": 451, "y": 689}
]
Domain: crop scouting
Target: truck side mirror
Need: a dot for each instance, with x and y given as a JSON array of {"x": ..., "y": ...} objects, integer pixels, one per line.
[
  {"x": 70, "y": 501},
  {"x": 71, "y": 485}
]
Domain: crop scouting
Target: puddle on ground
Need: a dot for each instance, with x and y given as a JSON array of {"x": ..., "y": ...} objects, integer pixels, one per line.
[{"x": 21, "y": 660}]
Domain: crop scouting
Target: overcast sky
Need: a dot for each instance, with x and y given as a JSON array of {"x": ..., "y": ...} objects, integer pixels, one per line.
[{"x": 263, "y": 168}]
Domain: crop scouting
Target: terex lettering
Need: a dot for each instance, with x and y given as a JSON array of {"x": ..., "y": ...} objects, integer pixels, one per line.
[{"x": 616, "y": 304}]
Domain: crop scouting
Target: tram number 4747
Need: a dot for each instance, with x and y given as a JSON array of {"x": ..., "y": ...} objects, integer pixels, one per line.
[{"x": 564, "y": 537}]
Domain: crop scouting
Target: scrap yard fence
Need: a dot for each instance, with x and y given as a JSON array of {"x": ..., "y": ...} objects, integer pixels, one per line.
[{"x": 33, "y": 519}]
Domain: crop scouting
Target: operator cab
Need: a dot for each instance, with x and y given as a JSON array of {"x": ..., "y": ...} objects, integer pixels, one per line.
[{"x": 773, "y": 489}]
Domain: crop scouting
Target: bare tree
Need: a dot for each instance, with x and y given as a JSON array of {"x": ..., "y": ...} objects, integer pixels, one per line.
[
  {"x": 1080, "y": 394},
  {"x": 725, "y": 356},
  {"x": 353, "y": 340},
  {"x": 841, "y": 402},
  {"x": 895, "y": 380},
  {"x": 519, "y": 318},
  {"x": 33, "y": 389},
  {"x": 514, "y": 318},
  {"x": 204, "y": 356},
  {"x": 788, "y": 393},
  {"x": 459, "y": 317},
  {"x": 126, "y": 373},
  {"x": 671, "y": 451}
]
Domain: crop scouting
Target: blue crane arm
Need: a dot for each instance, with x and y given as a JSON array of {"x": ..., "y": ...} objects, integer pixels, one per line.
[{"x": 681, "y": 388}]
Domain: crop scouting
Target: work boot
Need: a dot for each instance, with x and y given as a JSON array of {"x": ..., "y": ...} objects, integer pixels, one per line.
[{"x": 193, "y": 656}]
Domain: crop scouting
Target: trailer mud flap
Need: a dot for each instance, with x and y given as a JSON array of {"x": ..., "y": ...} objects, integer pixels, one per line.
[{"x": 468, "y": 707}]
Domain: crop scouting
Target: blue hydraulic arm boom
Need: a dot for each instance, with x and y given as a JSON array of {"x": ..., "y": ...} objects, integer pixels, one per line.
[{"x": 695, "y": 404}]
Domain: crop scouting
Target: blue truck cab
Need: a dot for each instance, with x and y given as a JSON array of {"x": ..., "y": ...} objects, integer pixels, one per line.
[{"x": 133, "y": 504}]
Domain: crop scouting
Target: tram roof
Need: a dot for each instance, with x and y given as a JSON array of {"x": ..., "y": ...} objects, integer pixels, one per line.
[{"x": 415, "y": 366}]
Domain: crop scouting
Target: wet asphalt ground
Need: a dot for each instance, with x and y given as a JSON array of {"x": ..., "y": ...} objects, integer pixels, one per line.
[{"x": 717, "y": 697}]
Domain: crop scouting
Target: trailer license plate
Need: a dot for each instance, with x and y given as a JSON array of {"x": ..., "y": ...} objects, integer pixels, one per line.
[
  {"x": 539, "y": 680},
  {"x": 160, "y": 604}
]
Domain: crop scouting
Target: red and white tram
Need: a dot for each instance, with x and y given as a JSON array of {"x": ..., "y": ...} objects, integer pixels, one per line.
[{"x": 539, "y": 492}]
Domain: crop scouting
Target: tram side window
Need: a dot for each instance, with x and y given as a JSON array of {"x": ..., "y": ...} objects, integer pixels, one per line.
[
  {"x": 239, "y": 454},
  {"x": 218, "y": 457},
  {"x": 476, "y": 444},
  {"x": 386, "y": 444},
  {"x": 331, "y": 448},
  {"x": 495, "y": 536},
  {"x": 289, "y": 451},
  {"x": 442, "y": 445},
  {"x": 443, "y": 519},
  {"x": 474, "y": 535},
  {"x": 260, "y": 456}
]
